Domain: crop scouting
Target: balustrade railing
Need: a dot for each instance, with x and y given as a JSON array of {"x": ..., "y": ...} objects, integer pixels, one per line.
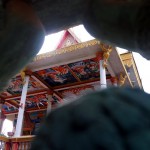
[
  {"x": 20, "y": 143},
  {"x": 4, "y": 143}
]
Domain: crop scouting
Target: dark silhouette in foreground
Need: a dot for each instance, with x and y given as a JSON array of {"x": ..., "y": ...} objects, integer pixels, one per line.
[{"x": 112, "y": 119}]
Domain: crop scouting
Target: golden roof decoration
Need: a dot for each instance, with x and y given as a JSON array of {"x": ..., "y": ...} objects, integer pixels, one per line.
[{"x": 66, "y": 49}]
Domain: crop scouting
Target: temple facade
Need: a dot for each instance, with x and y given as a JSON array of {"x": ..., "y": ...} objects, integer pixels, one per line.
[{"x": 58, "y": 77}]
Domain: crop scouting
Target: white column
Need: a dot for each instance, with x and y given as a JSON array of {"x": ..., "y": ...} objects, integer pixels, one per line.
[
  {"x": 49, "y": 101},
  {"x": 19, "y": 125},
  {"x": 1, "y": 119},
  {"x": 103, "y": 82},
  {"x": 2, "y": 116}
]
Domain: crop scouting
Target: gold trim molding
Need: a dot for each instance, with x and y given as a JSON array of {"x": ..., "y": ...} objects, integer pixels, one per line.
[
  {"x": 66, "y": 50},
  {"x": 128, "y": 63}
]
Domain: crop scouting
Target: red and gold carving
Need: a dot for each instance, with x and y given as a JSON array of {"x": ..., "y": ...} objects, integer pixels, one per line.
[
  {"x": 106, "y": 53},
  {"x": 114, "y": 80},
  {"x": 50, "y": 92},
  {"x": 99, "y": 56},
  {"x": 77, "y": 90},
  {"x": 122, "y": 79},
  {"x": 2, "y": 101}
]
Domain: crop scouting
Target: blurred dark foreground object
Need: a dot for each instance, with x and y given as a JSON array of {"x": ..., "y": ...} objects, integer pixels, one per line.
[
  {"x": 117, "y": 22},
  {"x": 122, "y": 23},
  {"x": 112, "y": 119},
  {"x": 20, "y": 40}
]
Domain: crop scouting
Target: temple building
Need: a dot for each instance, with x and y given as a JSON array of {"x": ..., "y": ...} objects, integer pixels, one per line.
[{"x": 55, "y": 78}]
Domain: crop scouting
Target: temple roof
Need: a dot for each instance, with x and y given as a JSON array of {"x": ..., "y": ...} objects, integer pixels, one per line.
[{"x": 68, "y": 72}]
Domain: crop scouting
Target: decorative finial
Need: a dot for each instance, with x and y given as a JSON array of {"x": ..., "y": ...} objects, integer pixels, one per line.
[
  {"x": 23, "y": 74},
  {"x": 106, "y": 53},
  {"x": 122, "y": 79}
]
